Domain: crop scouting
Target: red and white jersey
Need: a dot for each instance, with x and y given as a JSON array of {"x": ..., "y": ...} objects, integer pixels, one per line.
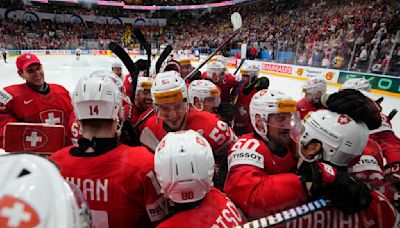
[
  {"x": 74, "y": 129},
  {"x": 226, "y": 85},
  {"x": 218, "y": 134},
  {"x": 27, "y": 105},
  {"x": 369, "y": 167},
  {"x": 260, "y": 182},
  {"x": 380, "y": 214},
  {"x": 216, "y": 210},
  {"x": 387, "y": 140},
  {"x": 120, "y": 185},
  {"x": 242, "y": 114},
  {"x": 304, "y": 106},
  {"x": 128, "y": 85}
]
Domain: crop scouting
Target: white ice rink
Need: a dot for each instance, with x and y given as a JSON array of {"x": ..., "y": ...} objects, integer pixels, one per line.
[{"x": 65, "y": 70}]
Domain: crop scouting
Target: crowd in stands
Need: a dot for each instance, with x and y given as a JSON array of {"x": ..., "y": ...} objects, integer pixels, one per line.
[{"x": 328, "y": 34}]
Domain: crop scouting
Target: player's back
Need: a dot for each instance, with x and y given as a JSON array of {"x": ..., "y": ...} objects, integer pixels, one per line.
[
  {"x": 214, "y": 211},
  {"x": 117, "y": 184}
]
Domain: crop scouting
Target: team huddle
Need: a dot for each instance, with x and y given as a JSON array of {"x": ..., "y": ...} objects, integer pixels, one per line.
[{"x": 209, "y": 150}]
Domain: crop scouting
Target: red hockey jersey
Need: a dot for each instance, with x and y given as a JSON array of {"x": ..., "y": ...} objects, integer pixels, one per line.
[
  {"x": 119, "y": 185},
  {"x": 215, "y": 131},
  {"x": 27, "y": 105},
  {"x": 387, "y": 140},
  {"x": 216, "y": 210},
  {"x": 226, "y": 85},
  {"x": 242, "y": 115},
  {"x": 303, "y": 106},
  {"x": 259, "y": 182}
]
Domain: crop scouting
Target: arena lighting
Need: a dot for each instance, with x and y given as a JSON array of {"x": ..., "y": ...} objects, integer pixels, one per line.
[{"x": 154, "y": 7}]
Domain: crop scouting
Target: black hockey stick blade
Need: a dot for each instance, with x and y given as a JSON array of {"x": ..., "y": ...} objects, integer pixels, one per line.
[
  {"x": 392, "y": 114},
  {"x": 139, "y": 35},
  {"x": 164, "y": 55}
]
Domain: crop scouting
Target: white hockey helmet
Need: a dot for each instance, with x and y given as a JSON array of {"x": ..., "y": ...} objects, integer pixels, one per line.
[
  {"x": 215, "y": 67},
  {"x": 357, "y": 84},
  {"x": 144, "y": 83},
  {"x": 168, "y": 87},
  {"x": 97, "y": 97},
  {"x": 266, "y": 102},
  {"x": 341, "y": 137},
  {"x": 34, "y": 194},
  {"x": 104, "y": 73},
  {"x": 219, "y": 58},
  {"x": 116, "y": 64},
  {"x": 251, "y": 71},
  {"x": 184, "y": 166},
  {"x": 203, "y": 89},
  {"x": 313, "y": 86}
]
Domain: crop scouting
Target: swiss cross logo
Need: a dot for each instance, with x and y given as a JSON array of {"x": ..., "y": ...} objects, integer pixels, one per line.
[
  {"x": 34, "y": 138},
  {"x": 52, "y": 117},
  {"x": 263, "y": 92},
  {"x": 165, "y": 81},
  {"x": 342, "y": 120},
  {"x": 27, "y": 57},
  {"x": 199, "y": 141},
  {"x": 17, "y": 213},
  {"x": 161, "y": 145}
]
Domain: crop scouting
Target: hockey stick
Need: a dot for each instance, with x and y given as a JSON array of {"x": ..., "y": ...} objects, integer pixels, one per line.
[
  {"x": 236, "y": 20},
  {"x": 124, "y": 57},
  {"x": 305, "y": 209},
  {"x": 392, "y": 114},
  {"x": 146, "y": 46},
  {"x": 164, "y": 55}
]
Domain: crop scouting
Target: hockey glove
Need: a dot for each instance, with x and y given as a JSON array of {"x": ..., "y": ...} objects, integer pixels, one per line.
[
  {"x": 347, "y": 193},
  {"x": 354, "y": 104},
  {"x": 262, "y": 83},
  {"x": 226, "y": 112}
]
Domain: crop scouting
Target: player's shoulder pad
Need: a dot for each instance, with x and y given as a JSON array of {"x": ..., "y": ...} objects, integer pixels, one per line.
[
  {"x": 246, "y": 151},
  {"x": 5, "y": 97}
]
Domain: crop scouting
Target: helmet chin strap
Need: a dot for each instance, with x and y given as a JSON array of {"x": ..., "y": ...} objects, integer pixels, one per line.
[{"x": 303, "y": 158}]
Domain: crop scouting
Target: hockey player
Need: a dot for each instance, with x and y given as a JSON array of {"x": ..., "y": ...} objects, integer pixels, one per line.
[
  {"x": 142, "y": 100},
  {"x": 4, "y": 54},
  {"x": 172, "y": 114},
  {"x": 313, "y": 90},
  {"x": 261, "y": 178},
  {"x": 116, "y": 68},
  {"x": 141, "y": 66},
  {"x": 216, "y": 72},
  {"x": 249, "y": 85},
  {"x": 34, "y": 194},
  {"x": 34, "y": 101},
  {"x": 383, "y": 135},
  {"x": 336, "y": 140},
  {"x": 78, "y": 52},
  {"x": 184, "y": 166},
  {"x": 204, "y": 96},
  {"x": 117, "y": 180},
  {"x": 186, "y": 66}
]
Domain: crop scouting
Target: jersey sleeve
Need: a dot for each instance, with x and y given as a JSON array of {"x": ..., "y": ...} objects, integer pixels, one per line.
[
  {"x": 390, "y": 145},
  {"x": 6, "y": 99},
  {"x": 154, "y": 202},
  {"x": 253, "y": 190},
  {"x": 219, "y": 135}
]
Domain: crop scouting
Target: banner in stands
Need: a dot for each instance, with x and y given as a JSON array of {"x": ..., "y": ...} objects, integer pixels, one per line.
[
  {"x": 313, "y": 72},
  {"x": 381, "y": 82}
]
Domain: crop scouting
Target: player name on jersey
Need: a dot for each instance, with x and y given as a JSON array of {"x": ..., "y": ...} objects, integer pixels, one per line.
[{"x": 92, "y": 189}]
